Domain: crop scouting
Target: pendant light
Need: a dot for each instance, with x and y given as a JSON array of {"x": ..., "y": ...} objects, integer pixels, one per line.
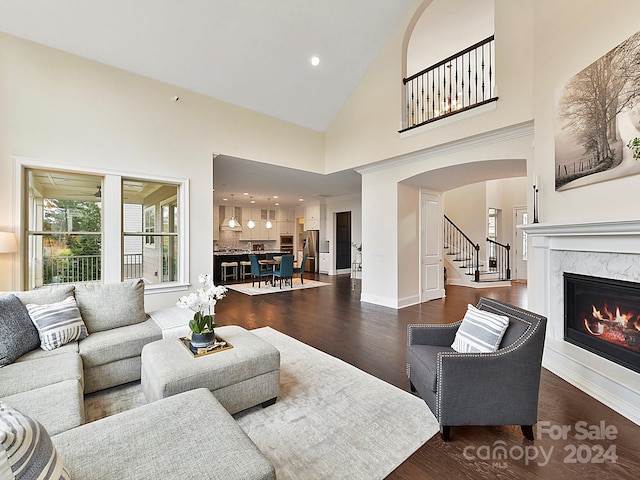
[
  {"x": 251, "y": 224},
  {"x": 232, "y": 221},
  {"x": 268, "y": 224}
]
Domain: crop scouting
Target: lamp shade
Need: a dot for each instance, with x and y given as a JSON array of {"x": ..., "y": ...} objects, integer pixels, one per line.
[{"x": 8, "y": 242}]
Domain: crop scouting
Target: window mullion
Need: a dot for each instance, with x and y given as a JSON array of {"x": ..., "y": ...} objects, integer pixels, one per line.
[{"x": 112, "y": 229}]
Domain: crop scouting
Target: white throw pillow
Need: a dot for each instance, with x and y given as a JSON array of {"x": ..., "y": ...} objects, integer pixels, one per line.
[
  {"x": 480, "y": 331},
  {"x": 57, "y": 323},
  {"x": 26, "y": 450}
]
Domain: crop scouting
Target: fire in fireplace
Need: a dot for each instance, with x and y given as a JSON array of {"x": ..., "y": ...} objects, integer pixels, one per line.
[{"x": 602, "y": 315}]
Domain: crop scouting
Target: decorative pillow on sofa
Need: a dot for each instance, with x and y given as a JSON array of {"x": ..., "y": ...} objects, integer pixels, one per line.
[
  {"x": 57, "y": 323},
  {"x": 26, "y": 450},
  {"x": 480, "y": 331},
  {"x": 17, "y": 333},
  {"x": 104, "y": 306},
  {"x": 45, "y": 294}
]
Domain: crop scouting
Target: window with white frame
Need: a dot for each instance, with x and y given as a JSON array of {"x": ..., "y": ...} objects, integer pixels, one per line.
[
  {"x": 64, "y": 227},
  {"x": 159, "y": 201},
  {"x": 150, "y": 226},
  {"x": 69, "y": 240}
]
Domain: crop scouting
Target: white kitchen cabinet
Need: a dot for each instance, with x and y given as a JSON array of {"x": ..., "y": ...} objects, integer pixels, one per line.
[
  {"x": 285, "y": 227},
  {"x": 286, "y": 221},
  {"x": 246, "y": 234},
  {"x": 313, "y": 216},
  {"x": 284, "y": 215},
  {"x": 324, "y": 262}
]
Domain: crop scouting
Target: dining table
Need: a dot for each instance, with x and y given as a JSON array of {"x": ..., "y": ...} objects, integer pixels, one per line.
[{"x": 272, "y": 262}]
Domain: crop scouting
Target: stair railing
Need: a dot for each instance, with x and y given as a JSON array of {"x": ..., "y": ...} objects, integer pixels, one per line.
[
  {"x": 463, "y": 249},
  {"x": 499, "y": 261}
]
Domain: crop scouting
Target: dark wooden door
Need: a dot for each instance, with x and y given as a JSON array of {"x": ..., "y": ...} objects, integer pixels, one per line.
[{"x": 343, "y": 240}]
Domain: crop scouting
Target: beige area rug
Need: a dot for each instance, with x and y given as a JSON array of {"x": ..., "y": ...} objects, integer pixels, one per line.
[
  {"x": 247, "y": 289},
  {"x": 331, "y": 420}
]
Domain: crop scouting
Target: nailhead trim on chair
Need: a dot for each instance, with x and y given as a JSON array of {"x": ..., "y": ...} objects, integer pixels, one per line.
[
  {"x": 421, "y": 325},
  {"x": 514, "y": 346}
]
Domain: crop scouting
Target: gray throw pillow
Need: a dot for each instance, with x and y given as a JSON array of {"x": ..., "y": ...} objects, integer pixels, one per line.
[
  {"x": 57, "y": 323},
  {"x": 105, "y": 306},
  {"x": 45, "y": 294},
  {"x": 18, "y": 335},
  {"x": 26, "y": 449}
]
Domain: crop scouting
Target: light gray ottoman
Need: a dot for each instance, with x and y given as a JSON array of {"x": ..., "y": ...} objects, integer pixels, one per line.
[
  {"x": 186, "y": 436},
  {"x": 241, "y": 377}
]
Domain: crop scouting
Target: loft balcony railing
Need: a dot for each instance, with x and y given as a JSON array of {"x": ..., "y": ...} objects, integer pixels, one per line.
[{"x": 456, "y": 84}]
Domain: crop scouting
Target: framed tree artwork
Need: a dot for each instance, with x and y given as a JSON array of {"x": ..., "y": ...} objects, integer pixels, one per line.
[{"x": 598, "y": 119}]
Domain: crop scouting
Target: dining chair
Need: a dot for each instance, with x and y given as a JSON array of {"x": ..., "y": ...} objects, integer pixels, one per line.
[
  {"x": 286, "y": 270},
  {"x": 300, "y": 269},
  {"x": 256, "y": 271}
]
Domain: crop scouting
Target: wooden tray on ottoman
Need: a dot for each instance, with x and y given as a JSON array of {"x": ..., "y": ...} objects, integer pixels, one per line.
[{"x": 219, "y": 346}]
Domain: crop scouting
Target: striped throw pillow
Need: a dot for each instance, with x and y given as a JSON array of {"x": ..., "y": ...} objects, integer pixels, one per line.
[
  {"x": 480, "y": 331},
  {"x": 26, "y": 450},
  {"x": 57, "y": 323}
]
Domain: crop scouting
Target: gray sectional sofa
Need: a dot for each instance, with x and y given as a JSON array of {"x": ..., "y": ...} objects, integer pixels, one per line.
[
  {"x": 118, "y": 328},
  {"x": 162, "y": 439}
]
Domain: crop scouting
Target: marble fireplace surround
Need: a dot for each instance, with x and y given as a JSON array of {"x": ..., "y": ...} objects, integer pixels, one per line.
[{"x": 603, "y": 249}]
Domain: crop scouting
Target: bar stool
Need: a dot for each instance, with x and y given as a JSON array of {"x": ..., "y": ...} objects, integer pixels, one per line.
[
  {"x": 224, "y": 273},
  {"x": 243, "y": 269}
]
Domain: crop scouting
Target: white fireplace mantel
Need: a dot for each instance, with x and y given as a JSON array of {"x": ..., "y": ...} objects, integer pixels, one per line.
[
  {"x": 607, "y": 249},
  {"x": 624, "y": 227}
]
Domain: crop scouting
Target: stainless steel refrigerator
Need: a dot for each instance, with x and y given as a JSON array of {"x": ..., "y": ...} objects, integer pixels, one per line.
[{"x": 310, "y": 239}]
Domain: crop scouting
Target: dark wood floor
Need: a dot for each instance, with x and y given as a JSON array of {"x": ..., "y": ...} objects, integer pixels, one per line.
[{"x": 373, "y": 338}]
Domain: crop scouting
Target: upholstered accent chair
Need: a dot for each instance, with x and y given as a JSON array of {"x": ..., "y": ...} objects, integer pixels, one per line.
[{"x": 494, "y": 388}]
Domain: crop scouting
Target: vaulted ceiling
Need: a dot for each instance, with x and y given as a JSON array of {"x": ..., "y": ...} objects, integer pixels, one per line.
[{"x": 251, "y": 53}]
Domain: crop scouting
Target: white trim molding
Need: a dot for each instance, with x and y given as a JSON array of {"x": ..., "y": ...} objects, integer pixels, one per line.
[{"x": 604, "y": 249}]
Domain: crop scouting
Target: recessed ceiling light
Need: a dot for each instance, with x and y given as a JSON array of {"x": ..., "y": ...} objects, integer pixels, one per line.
[
  {"x": 301, "y": 199},
  {"x": 315, "y": 61}
]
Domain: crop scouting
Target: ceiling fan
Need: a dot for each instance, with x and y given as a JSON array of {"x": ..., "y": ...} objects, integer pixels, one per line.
[{"x": 97, "y": 194}]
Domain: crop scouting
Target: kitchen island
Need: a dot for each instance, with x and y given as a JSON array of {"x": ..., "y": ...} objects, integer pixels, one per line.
[{"x": 236, "y": 256}]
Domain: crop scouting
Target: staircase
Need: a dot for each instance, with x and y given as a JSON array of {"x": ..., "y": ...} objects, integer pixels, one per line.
[{"x": 463, "y": 263}]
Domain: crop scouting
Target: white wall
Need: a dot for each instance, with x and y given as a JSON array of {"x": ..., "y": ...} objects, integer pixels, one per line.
[
  {"x": 467, "y": 208},
  {"x": 448, "y": 27},
  {"x": 65, "y": 110},
  {"x": 366, "y": 129},
  {"x": 409, "y": 261},
  {"x": 582, "y": 32},
  {"x": 347, "y": 203},
  {"x": 506, "y": 194},
  {"x": 384, "y": 207},
  {"x": 61, "y": 108}
]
